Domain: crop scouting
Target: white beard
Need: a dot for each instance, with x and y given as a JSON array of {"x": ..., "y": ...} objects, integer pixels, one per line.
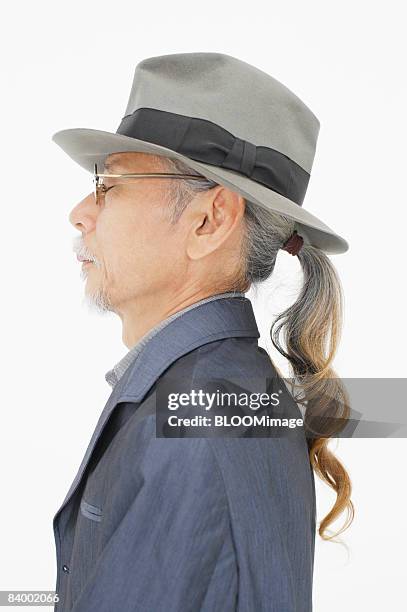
[{"x": 97, "y": 301}]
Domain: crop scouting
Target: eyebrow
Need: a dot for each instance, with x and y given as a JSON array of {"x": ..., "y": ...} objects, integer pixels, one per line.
[{"x": 110, "y": 167}]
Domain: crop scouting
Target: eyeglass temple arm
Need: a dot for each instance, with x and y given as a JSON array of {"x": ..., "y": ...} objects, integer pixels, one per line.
[{"x": 151, "y": 174}]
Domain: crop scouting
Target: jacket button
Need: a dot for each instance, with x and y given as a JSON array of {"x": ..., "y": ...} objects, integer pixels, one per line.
[{"x": 65, "y": 568}]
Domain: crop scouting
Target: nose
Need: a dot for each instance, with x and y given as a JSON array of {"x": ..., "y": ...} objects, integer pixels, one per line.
[{"x": 83, "y": 216}]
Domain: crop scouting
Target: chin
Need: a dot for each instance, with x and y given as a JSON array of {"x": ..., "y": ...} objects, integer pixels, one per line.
[{"x": 98, "y": 300}]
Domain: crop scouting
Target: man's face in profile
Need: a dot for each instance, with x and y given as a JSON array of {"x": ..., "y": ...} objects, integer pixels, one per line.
[{"x": 133, "y": 246}]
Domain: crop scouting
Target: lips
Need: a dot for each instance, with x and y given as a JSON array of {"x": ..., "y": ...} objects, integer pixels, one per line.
[{"x": 79, "y": 258}]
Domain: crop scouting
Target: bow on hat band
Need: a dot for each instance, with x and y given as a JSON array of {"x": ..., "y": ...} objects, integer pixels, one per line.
[{"x": 207, "y": 142}]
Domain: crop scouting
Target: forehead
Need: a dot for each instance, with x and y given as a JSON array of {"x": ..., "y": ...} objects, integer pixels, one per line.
[{"x": 120, "y": 163}]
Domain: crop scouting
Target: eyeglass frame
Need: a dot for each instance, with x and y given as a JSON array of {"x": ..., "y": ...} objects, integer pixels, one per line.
[{"x": 101, "y": 189}]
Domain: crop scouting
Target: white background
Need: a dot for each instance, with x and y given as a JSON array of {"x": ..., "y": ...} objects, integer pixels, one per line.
[{"x": 71, "y": 65}]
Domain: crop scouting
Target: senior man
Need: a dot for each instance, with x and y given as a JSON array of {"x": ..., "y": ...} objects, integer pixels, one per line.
[{"x": 194, "y": 196}]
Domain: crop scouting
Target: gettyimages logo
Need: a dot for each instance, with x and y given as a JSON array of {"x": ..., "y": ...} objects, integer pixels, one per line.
[
  {"x": 207, "y": 400},
  {"x": 212, "y": 416}
]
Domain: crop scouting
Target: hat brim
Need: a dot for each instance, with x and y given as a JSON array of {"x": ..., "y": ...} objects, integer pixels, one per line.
[{"x": 88, "y": 146}]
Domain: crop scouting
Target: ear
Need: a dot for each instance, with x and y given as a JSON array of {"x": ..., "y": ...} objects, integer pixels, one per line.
[{"x": 216, "y": 215}]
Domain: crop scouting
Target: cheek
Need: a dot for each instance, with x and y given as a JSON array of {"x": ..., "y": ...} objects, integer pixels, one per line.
[
  {"x": 155, "y": 256},
  {"x": 147, "y": 247},
  {"x": 150, "y": 233},
  {"x": 114, "y": 242},
  {"x": 139, "y": 238}
]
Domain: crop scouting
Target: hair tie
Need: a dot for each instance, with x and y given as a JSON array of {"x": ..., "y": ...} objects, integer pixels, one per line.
[{"x": 293, "y": 244}]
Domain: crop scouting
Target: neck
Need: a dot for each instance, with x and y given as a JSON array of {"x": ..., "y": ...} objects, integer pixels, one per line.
[{"x": 144, "y": 313}]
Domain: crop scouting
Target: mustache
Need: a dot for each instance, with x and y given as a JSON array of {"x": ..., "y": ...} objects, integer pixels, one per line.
[{"x": 80, "y": 248}]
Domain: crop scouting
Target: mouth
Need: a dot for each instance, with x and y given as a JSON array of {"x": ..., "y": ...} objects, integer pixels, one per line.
[{"x": 84, "y": 261}]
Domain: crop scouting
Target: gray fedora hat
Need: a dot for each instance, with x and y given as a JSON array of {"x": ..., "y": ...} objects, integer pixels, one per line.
[{"x": 226, "y": 119}]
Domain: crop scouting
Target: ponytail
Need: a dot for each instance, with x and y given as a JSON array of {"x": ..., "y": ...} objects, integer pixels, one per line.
[{"x": 310, "y": 330}]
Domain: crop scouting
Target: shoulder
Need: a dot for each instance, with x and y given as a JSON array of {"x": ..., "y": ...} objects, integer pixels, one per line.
[
  {"x": 227, "y": 358},
  {"x": 178, "y": 466}
]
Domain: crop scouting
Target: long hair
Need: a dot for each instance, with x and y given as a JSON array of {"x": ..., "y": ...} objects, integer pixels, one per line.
[{"x": 306, "y": 334}]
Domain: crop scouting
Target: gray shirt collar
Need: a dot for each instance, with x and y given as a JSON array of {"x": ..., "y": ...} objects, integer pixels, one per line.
[{"x": 114, "y": 375}]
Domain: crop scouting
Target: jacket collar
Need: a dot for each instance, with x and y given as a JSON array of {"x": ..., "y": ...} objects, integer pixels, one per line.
[
  {"x": 210, "y": 321},
  {"x": 114, "y": 375}
]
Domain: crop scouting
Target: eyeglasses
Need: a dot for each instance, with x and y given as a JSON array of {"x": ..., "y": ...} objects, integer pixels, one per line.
[{"x": 100, "y": 189}]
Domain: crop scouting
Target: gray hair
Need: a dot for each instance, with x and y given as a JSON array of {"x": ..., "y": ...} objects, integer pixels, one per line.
[{"x": 265, "y": 231}]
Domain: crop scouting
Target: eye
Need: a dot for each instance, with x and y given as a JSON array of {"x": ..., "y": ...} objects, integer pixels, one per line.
[
  {"x": 103, "y": 198},
  {"x": 106, "y": 190}
]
